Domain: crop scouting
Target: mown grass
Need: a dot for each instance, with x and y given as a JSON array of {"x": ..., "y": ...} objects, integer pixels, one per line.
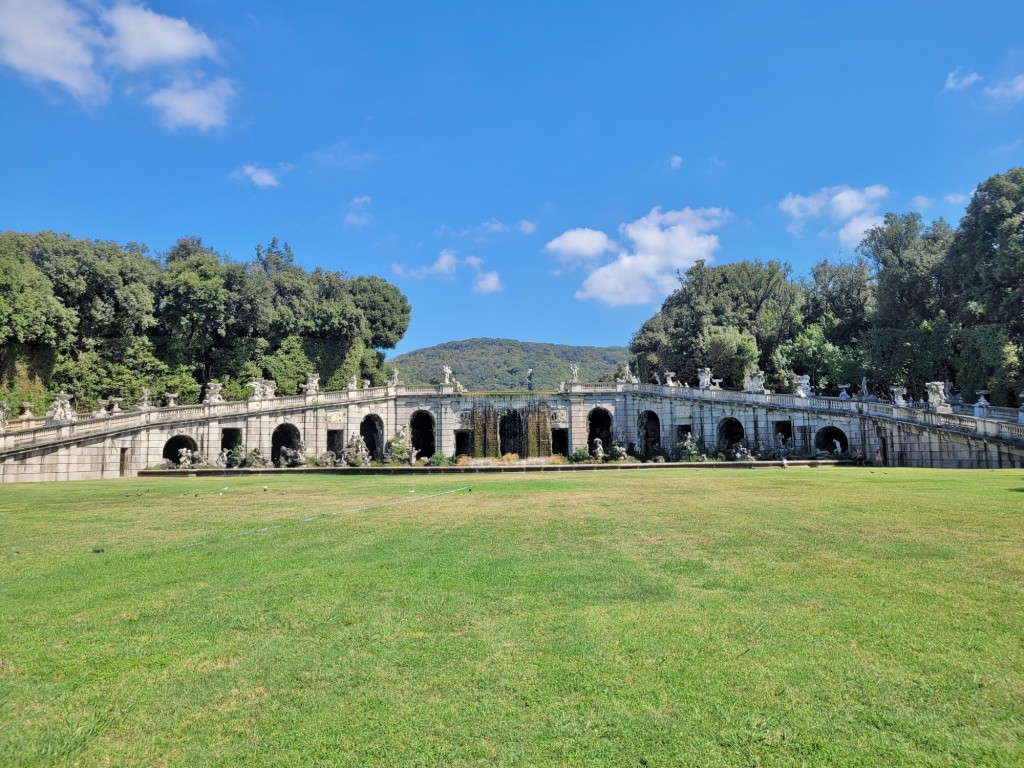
[{"x": 808, "y": 617}]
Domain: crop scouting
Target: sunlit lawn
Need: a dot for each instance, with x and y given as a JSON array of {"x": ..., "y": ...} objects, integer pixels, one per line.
[{"x": 750, "y": 617}]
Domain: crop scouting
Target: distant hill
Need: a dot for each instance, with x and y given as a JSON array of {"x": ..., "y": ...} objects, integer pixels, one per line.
[{"x": 499, "y": 365}]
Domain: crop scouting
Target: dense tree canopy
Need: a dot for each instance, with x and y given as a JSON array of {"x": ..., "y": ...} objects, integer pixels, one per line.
[
  {"x": 100, "y": 319},
  {"x": 918, "y": 302}
]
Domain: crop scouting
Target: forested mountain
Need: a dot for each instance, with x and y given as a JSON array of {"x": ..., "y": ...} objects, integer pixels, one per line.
[
  {"x": 101, "y": 319},
  {"x": 918, "y": 302},
  {"x": 497, "y": 365}
]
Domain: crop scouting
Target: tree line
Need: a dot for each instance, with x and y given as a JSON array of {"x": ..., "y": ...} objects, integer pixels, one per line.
[
  {"x": 100, "y": 319},
  {"x": 916, "y": 302}
]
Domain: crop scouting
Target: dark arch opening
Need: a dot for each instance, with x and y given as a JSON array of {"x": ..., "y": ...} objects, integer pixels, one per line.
[
  {"x": 422, "y": 427},
  {"x": 730, "y": 431},
  {"x": 599, "y": 427},
  {"x": 511, "y": 433},
  {"x": 175, "y": 444},
  {"x": 649, "y": 433},
  {"x": 285, "y": 436},
  {"x": 372, "y": 432},
  {"x": 824, "y": 440}
]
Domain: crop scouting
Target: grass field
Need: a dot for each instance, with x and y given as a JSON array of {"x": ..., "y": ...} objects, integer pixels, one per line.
[{"x": 676, "y": 618}]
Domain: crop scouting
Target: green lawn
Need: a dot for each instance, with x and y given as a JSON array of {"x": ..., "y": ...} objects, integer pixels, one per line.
[{"x": 809, "y": 617}]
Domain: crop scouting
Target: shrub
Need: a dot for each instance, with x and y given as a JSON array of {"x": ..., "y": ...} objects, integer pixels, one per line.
[
  {"x": 509, "y": 458},
  {"x": 438, "y": 460},
  {"x": 579, "y": 456}
]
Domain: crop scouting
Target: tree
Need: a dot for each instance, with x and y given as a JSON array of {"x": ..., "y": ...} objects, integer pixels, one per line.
[
  {"x": 385, "y": 307},
  {"x": 985, "y": 266}
]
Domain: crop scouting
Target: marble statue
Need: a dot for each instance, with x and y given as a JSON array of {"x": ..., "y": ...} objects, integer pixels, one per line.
[
  {"x": 574, "y": 369},
  {"x": 898, "y": 395},
  {"x": 172, "y": 399},
  {"x": 4, "y": 410},
  {"x": 598, "y": 450},
  {"x": 352, "y": 382},
  {"x": 61, "y": 410},
  {"x": 838, "y": 447},
  {"x": 704, "y": 378},
  {"x": 143, "y": 403},
  {"x": 803, "y": 386},
  {"x": 754, "y": 382},
  {"x": 670, "y": 379},
  {"x": 312, "y": 385},
  {"x": 447, "y": 371},
  {"x": 262, "y": 389},
  {"x": 395, "y": 381},
  {"x": 366, "y": 383},
  {"x": 213, "y": 393},
  {"x": 656, "y": 377},
  {"x": 936, "y": 394},
  {"x": 862, "y": 393}
]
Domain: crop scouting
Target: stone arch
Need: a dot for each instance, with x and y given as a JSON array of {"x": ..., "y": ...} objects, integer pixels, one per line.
[
  {"x": 512, "y": 433},
  {"x": 730, "y": 431},
  {"x": 599, "y": 426},
  {"x": 823, "y": 440},
  {"x": 648, "y": 433},
  {"x": 285, "y": 436},
  {"x": 421, "y": 425},
  {"x": 175, "y": 444},
  {"x": 371, "y": 429}
]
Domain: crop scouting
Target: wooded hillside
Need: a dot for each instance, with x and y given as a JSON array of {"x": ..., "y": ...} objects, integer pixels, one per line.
[{"x": 498, "y": 365}]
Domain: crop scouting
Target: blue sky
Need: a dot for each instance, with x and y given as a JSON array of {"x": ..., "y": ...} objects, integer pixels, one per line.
[{"x": 529, "y": 170}]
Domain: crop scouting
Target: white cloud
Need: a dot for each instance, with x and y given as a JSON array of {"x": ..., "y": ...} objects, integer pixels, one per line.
[
  {"x": 487, "y": 282},
  {"x": 675, "y": 162},
  {"x": 53, "y": 41},
  {"x": 846, "y": 206},
  {"x": 921, "y": 202},
  {"x": 582, "y": 243},
  {"x": 955, "y": 198},
  {"x": 853, "y": 231},
  {"x": 356, "y": 215},
  {"x": 659, "y": 244},
  {"x": 185, "y": 104},
  {"x": 1010, "y": 91},
  {"x": 261, "y": 177},
  {"x": 474, "y": 261},
  {"x": 58, "y": 41},
  {"x": 142, "y": 38},
  {"x": 955, "y": 81},
  {"x": 445, "y": 264},
  {"x": 527, "y": 227}
]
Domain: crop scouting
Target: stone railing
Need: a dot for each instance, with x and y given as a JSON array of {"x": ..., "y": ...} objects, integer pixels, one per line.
[{"x": 33, "y": 432}]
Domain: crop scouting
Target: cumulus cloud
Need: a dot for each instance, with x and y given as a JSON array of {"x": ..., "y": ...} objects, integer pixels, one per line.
[
  {"x": 80, "y": 44},
  {"x": 527, "y": 227},
  {"x": 580, "y": 244},
  {"x": 675, "y": 162},
  {"x": 956, "y": 82},
  {"x": 852, "y": 232},
  {"x": 143, "y": 38},
  {"x": 186, "y": 104},
  {"x": 955, "y": 198},
  {"x": 261, "y": 177},
  {"x": 445, "y": 264},
  {"x": 487, "y": 282},
  {"x": 356, "y": 213},
  {"x": 1008, "y": 91},
  {"x": 643, "y": 267},
  {"x": 921, "y": 202},
  {"x": 853, "y": 210},
  {"x": 52, "y": 41}
]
